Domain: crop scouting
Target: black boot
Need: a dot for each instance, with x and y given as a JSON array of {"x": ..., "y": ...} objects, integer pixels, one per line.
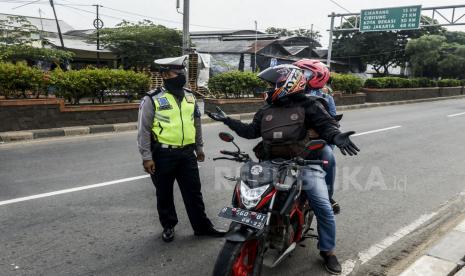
[
  {"x": 168, "y": 234},
  {"x": 212, "y": 232},
  {"x": 332, "y": 265},
  {"x": 335, "y": 205}
]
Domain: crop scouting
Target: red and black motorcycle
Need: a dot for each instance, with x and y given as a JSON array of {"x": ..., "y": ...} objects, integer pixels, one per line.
[{"x": 270, "y": 214}]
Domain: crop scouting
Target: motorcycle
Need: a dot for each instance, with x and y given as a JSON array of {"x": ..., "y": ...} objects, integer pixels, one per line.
[{"x": 270, "y": 213}]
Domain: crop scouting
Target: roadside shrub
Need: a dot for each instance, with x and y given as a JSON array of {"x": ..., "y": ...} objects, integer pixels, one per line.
[
  {"x": 396, "y": 82},
  {"x": 98, "y": 84},
  {"x": 19, "y": 80},
  {"x": 236, "y": 84},
  {"x": 449, "y": 83},
  {"x": 375, "y": 83},
  {"x": 425, "y": 82},
  {"x": 346, "y": 83}
]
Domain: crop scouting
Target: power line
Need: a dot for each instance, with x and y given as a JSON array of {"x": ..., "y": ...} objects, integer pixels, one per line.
[
  {"x": 83, "y": 10},
  {"x": 340, "y": 6},
  {"x": 166, "y": 20},
  {"x": 31, "y": 2}
]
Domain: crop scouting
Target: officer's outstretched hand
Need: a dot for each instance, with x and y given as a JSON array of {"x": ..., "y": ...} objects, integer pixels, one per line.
[
  {"x": 343, "y": 142},
  {"x": 219, "y": 115},
  {"x": 200, "y": 155},
  {"x": 149, "y": 166}
]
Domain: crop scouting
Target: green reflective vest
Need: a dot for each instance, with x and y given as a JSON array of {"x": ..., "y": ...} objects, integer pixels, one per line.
[{"x": 173, "y": 123}]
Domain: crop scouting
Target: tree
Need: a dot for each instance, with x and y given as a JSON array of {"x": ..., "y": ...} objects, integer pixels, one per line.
[
  {"x": 425, "y": 53},
  {"x": 433, "y": 56},
  {"x": 138, "y": 45},
  {"x": 455, "y": 37},
  {"x": 299, "y": 32},
  {"x": 17, "y": 38},
  {"x": 279, "y": 31},
  {"x": 14, "y": 53},
  {"x": 17, "y": 30},
  {"x": 380, "y": 49},
  {"x": 452, "y": 63}
]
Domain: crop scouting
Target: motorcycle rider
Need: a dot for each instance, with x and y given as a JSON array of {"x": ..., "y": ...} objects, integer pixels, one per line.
[
  {"x": 318, "y": 75},
  {"x": 283, "y": 125}
]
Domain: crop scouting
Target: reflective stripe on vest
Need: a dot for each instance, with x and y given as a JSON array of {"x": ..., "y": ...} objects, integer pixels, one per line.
[{"x": 174, "y": 124}]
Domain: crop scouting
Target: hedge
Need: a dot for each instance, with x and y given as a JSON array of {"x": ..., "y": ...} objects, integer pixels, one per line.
[
  {"x": 18, "y": 80},
  {"x": 346, "y": 83},
  {"x": 236, "y": 84},
  {"x": 396, "y": 82},
  {"x": 98, "y": 84},
  {"x": 449, "y": 83}
]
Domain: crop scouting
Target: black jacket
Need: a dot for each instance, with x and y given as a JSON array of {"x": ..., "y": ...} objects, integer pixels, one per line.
[{"x": 316, "y": 117}]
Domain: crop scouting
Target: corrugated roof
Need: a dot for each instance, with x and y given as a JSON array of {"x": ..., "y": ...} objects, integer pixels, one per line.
[
  {"x": 49, "y": 25},
  {"x": 294, "y": 50},
  {"x": 224, "y": 32},
  {"x": 230, "y": 46},
  {"x": 75, "y": 43}
]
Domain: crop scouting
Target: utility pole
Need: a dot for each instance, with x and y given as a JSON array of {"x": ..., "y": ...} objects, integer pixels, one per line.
[
  {"x": 256, "y": 39},
  {"x": 58, "y": 25},
  {"x": 185, "y": 29},
  {"x": 330, "y": 46},
  {"x": 311, "y": 41},
  {"x": 98, "y": 24},
  {"x": 41, "y": 28}
]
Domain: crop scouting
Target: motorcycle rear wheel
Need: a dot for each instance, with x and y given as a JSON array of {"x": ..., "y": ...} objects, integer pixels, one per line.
[{"x": 238, "y": 259}]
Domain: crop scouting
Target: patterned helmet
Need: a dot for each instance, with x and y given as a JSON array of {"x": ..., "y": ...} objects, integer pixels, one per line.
[
  {"x": 287, "y": 80},
  {"x": 317, "y": 73}
]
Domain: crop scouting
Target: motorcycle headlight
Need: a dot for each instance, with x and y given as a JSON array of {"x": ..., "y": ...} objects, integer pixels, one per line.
[{"x": 251, "y": 197}]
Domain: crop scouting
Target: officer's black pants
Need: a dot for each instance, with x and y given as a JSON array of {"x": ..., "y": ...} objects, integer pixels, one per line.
[{"x": 179, "y": 165}]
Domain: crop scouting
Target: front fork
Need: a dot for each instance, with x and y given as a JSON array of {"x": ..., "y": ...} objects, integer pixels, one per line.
[{"x": 262, "y": 240}]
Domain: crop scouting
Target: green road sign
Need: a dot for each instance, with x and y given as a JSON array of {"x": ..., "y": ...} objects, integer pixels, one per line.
[{"x": 399, "y": 18}]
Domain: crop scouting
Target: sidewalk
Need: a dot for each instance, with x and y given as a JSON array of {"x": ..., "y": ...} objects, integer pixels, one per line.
[
  {"x": 445, "y": 258},
  {"x": 13, "y": 136}
]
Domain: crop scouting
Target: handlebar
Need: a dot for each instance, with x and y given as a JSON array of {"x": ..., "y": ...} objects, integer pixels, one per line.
[
  {"x": 302, "y": 162},
  {"x": 237, "y": 156},
  {"x": 232, "y": 153},
  {"x": 224, "y": 158}
]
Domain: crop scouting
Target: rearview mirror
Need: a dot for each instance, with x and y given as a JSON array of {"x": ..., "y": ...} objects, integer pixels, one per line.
[{"x": 226, "y": 137}]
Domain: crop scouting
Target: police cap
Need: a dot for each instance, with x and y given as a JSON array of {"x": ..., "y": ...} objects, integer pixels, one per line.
[{"x": 176, "y": 64}]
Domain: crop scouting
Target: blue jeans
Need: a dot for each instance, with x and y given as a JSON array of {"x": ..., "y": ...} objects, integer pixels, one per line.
[
  {"x": 330, "y": 169},
  {"x": 313, "y": 184},
  {"x": 327, "y": 154}
]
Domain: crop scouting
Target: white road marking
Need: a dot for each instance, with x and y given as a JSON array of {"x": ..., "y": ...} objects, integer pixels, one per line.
[
  {"x": 455, "y": 115},
  {"x": 368, "y": 254},
  {"x": 66, "y": 191},
  {"x": 21, "y": 199},
  {"x": 375, "y": 131}
]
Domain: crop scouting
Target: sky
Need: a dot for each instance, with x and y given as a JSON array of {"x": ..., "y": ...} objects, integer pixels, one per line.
[{"x": 209, "y": 15}]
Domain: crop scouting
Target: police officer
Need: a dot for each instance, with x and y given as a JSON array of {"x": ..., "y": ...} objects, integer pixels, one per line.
[{"x": 170, "y": 143}]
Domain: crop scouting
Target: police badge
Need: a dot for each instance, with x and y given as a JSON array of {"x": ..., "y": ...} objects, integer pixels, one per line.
[{"x": 164, "y": 104}]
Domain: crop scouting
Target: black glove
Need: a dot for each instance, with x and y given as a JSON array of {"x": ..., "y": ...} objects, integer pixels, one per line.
[
  {"x": 343, "y": 142},
  {"x": 338, "y": 117},
  {"x": 219, "y": 115}
]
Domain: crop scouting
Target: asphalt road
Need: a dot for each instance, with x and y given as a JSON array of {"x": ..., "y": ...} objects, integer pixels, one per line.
[{"x": 405, "y": 171}]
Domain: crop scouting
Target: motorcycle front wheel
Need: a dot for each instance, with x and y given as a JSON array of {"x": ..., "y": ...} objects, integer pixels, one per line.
[{"x": 238, "y": 259}]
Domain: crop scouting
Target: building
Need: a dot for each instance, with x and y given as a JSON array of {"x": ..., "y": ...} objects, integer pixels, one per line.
[
  {"x": 238, "y": 50},
  {"x": 76, "y": 41}
]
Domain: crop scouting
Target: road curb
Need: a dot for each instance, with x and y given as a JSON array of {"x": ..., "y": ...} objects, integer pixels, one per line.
[
  {"x": 15, "y": 136},
  {"x": 446, "y": 257},
  {"x": 369, "y": 105}
]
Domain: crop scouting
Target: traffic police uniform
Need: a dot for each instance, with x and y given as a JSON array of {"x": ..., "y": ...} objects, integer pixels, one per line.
[{"x": 169, "y": 131}]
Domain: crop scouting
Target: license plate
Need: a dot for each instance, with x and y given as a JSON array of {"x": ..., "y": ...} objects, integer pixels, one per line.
[{"x": 252, "y": 219}]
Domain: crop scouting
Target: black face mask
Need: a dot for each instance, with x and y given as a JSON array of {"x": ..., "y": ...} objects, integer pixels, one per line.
[{"x": 176, "y": 85}]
